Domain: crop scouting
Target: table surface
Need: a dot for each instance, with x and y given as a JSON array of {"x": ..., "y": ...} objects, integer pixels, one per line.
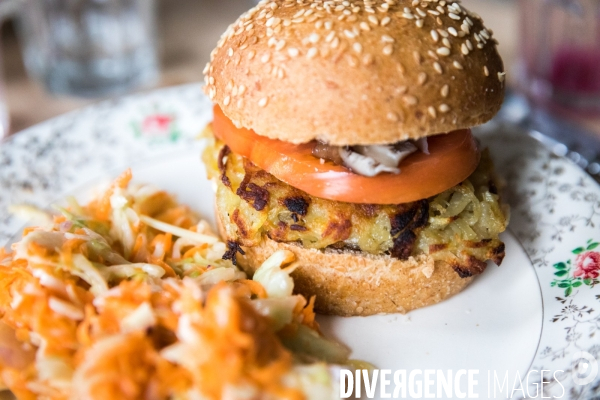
[{"x": 189, "y": 30}]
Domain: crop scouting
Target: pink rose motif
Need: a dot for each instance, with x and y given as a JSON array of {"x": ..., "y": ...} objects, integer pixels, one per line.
[
  {"x": 588, "y": 265},
  {"x": 156, "y": 125}
]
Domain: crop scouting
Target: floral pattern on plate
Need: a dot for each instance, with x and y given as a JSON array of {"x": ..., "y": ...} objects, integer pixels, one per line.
[{"x": 555, "y": 209}]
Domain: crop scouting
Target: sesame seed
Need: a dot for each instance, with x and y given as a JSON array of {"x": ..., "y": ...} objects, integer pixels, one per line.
[
  {"x": 352, "y": 60},
  {"x": 392, "y": 116},
  {"x": 452, "y": 31},
  {"x": 241, "y": 90},
  {"x": 328, "y": 25},
  {"x": 434, "y": 35},
  {"x": 431, "y": 54},
  {"x": 469, "y": 44},
  {"x": 388, "y": 49},
  {"x": 453, "y": 16},
  {"x": 401, "y": 89},
  {"x": 485, "y": 34},
  {"x": 431, "y": 111},
  {"x": 349, "y": 34},
  {"x": 206, "y": 68},
  {"x": 211, "y": 80},
  {"x": 265, "y": 58},
  {"x": 408, "y": 16},
  {"x": 312, "y": 52},
  {"x": 486, "y": 71},
  {"x": 293, "y": 52},
  {"x": 444, "y": 108},
  {"x": 439, "y": 21},
  {"x": 433, "y": 12},
  {"x": 465, "y": 28},
  {"x": 263, "y": 102},
  {"x": 443, "y": 51},
  {"x": 457, "y": 65},
  {"x": 387, "y": 39},
  {"x": 421, "y": 12},
  {"x": 501, "y": 76},
  {"x": 330, "y": 37},
  {"x": 385, "y": 20},
  {"x": 357, "y": 47},
  {"x": 440, "y": 9},
  {"x": 480, "y": 46},
  {"x": 314, "y": 38},
  {"x": 319, "y": 24},
  {"x": 437, "y": 67},
  {"x": 468, "y": 21},
  {"x": 422, "y": 78},
  {"x": 230, "y": 52},
  {"x": 364, "y": 26},
  {"x": 227, "y": 100},
  {"x": 367, "y": 59},
  {"x": 251, "y": 54},
  {"x": 297, "y": 20},
  {"x": 446, "y": 42},
  {"x": 373, "y": 19},
  {"x": 417, "y": 57},
  {"x": 464, "y": 49},
  {"x": 419, "y": 23},
  {"x": 335, "y": 43},
  {"x": 443, "y": 33},
  {"x": 409, "y": 100},
  {"x": 445, "y": 90}
]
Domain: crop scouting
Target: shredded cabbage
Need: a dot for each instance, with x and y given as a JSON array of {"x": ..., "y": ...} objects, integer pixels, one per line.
[{"x": 276, "y": 281}]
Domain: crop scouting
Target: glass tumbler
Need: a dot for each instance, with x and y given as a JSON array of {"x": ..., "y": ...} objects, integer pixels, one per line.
[
  {"x": 90, "y": 48},
  {"x": 560, "y": 54}
]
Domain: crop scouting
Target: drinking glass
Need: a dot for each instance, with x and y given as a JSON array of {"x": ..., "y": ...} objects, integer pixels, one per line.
[
  {"x": 560, "y": 54},
  {"x": 90, "y": 48}
]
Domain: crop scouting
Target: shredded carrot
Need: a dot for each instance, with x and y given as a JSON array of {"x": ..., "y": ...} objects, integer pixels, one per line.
[
  {"x": 112, "y": 324},
  {"x": 194, "y": 250},
  {"x": 255, "y": 288}
]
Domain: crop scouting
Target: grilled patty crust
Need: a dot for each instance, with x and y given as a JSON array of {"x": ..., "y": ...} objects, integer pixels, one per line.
[{"x": 459, "y": 226}]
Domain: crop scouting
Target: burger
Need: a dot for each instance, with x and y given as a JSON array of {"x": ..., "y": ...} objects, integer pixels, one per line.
[{"x": 342, "y": 133}]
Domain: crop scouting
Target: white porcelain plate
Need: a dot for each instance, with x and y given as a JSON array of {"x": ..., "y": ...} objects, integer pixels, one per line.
[{"x": 539, "y": 311}]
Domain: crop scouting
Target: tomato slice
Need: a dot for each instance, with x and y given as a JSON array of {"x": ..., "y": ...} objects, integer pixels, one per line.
[{"x": 452, "y": 158}]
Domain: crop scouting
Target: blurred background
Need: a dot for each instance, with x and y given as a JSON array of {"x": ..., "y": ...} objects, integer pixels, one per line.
[{"x": 59, "y": 55}]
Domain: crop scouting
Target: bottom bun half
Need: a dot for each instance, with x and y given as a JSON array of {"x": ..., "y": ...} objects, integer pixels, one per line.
[{"x": 349, "y": 283}]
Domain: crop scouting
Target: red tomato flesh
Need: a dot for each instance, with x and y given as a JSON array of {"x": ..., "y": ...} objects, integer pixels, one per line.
[{"x": 452, "y": 158}]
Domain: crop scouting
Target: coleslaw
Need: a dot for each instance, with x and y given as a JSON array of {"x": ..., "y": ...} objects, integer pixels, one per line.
[{"x": 129, "y": 297}]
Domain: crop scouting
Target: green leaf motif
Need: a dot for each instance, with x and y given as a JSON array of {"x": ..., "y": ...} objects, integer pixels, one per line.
[
  {"x": 592, "y": 246},
  {"x": 576, "y": 283},
  {"x": 562, "y": 272},
  {"x": 560, "y": 265},
  {"x": 564, "y": 285},
  {"x": 568, "y": 291},
  {"x": 587, "y": 281},
  {"x": 578, "y": 250}
]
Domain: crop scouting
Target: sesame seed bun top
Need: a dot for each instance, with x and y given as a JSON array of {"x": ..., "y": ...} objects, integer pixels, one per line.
[{"x": 356, "y": 71}]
